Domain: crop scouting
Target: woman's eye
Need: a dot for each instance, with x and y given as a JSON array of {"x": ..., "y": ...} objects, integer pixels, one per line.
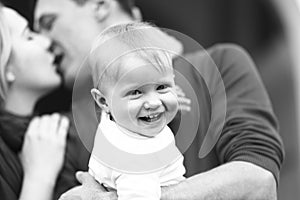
[
  {"x": 28, "y": 34},
  {"x": 29, "y": 37}
]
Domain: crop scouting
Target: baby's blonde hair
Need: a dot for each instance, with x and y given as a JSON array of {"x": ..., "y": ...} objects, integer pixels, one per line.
[
  {"x": 5, "y": 51},
  {"x": 142, "y": 39}
]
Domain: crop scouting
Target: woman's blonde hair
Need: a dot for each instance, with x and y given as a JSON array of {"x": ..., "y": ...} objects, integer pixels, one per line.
[{"x": 5, "y": 51}]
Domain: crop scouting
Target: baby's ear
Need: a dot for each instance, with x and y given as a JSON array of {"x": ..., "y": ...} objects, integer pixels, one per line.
[{"x": 100, "y": 99}]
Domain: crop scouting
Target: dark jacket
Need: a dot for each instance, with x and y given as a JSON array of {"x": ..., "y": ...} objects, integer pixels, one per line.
[{"x": 12, "y": 131}]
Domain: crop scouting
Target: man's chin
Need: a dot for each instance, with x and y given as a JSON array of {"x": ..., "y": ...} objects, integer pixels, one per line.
[
  {"x": 69, "y": 78},
  {"x": 69, "y": 83},
  {"x": 77, "y": 74}
]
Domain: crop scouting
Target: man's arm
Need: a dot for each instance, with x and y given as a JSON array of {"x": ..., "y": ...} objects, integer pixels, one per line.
[
  {"x": 249, "y": 149},
  {"x": 89, "y": 190},
  {"x": 234, "y": 180}
]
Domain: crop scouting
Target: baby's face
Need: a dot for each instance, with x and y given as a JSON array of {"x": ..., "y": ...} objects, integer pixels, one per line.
[{"x": 143, "y": 100}]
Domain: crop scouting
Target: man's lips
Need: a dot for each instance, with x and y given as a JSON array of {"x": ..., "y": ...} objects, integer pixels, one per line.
[
  {"x": 57, "y": 61},
  {"x": 56, "y": 50}
]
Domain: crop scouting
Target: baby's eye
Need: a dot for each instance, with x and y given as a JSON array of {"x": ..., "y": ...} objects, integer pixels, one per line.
[
  {"x": 134, "y": 92},
  {"x": 162, "y": 87}
]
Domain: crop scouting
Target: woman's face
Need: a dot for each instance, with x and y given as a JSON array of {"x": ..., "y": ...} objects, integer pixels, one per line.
[{"x": 30, "y": 61}]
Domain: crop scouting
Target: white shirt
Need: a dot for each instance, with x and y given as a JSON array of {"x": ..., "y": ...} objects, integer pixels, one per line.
[{"x": 141, "y": 184}]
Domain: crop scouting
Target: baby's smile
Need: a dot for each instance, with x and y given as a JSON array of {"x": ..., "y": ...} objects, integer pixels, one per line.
[{"x": 152, "y": 117}]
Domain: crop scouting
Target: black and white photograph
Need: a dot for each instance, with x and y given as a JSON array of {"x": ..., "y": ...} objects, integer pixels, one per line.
[{"x": 149, "y": 100}]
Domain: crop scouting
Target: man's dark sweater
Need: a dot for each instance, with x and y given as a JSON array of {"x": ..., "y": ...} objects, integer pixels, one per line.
[{"x": 250, "y": 131}]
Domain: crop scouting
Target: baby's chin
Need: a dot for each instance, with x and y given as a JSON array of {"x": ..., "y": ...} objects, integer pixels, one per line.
[
  {"x": 151, "y": 133},
  {"x": 147, "y": 128}
]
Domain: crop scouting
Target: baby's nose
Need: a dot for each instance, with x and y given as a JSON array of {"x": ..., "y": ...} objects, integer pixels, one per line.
[{"x": 152, "y": 104}]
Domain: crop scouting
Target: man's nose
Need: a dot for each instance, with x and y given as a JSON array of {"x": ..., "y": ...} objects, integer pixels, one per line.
[
  {"x": 55, "y": 49},
  {"x": 43, "y": 41}
]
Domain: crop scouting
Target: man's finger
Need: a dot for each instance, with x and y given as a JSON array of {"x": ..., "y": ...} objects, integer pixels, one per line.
[
  {"x": 184, "y": 100},
  {"x": 88, "y": 181},
  {"x": 73, "y": 193},
  {"x": 70, "y": 197},
  {"x": 185, "y": 108}
]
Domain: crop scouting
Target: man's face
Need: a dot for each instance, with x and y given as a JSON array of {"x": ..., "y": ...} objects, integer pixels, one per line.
[{"x": 72, "y": 27}]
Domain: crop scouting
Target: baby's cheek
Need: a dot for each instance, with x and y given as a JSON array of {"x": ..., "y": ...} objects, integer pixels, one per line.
[
  {"x": 125, "y": 114},
  {"x": 171, "y": 103},
  {"x": 134, "y": 107}
]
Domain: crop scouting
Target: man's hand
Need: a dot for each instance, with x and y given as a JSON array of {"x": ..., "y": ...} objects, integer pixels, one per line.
[
  {"x": 183, "y": 101},
  {"x": 89, "y": 190}
]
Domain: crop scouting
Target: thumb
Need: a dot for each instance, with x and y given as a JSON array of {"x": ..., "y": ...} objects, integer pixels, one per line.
[
  {"x": 71, "y": 197},
  {"x": 88, "y": 181},
  {"x": 85, "y": 178}
]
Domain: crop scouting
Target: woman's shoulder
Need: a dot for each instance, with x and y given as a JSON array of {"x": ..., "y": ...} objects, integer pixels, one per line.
[{"x": 13, "y": 128}]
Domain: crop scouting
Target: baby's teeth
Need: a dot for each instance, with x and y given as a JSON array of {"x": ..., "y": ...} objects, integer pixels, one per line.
[{"x": 153, "y": 116}]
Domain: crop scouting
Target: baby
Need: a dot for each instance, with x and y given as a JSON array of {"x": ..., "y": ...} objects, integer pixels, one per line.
[{"x": 134, "y": 149}]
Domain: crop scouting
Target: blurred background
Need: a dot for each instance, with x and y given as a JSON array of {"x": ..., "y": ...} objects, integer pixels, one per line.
[{"x": 268, "y": 29}]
